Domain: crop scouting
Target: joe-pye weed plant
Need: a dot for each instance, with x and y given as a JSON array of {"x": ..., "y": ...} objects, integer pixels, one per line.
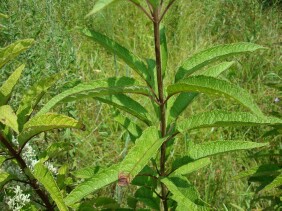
[{"x": 163, "y": 185}]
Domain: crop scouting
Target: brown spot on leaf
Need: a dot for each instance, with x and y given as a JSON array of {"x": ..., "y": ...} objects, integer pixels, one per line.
[{"x": 123, "y": 179}]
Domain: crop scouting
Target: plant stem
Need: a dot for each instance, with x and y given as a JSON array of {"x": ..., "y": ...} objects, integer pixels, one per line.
[
  {"x": 32, "y": 181},
  {"x": 156, "y": 22}
]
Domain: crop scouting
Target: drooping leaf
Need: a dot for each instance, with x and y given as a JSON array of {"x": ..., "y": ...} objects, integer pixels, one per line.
[
  {"x": 13, "y": 50},
  {"x": 191, "y": 167},
  {"x": 164, "y": 52},
  {"x": 212, "y": 54},
  {"x": 183, "y": 100},
  {"x": 145, "y": 147},
  {"x": 42, "y": 174},
  {"x": 224, "y": 119},
  {"x": 99, "y": 180},
  {"x": 129, "y": 58},
  {"x": 31, "y": 98},
  {"x": 130, "y": 126},
  {"x": 216, "y": 70},
  {"x": 275, "y": 183},
  {"x": 127, "y": 104},
  {"x": 8, "y": 117},
  {"x": 197, "y": 151},
  {"x": 8, "y": 86},
  {"x": 97, "y": 88},
  {"x": 259, "y": 171},
  {"x": 46, "y": 122},
  {"x": 139, "y": 155},
  {"x": 183, "y": 192},
  {"x": 214, "y": 86}
]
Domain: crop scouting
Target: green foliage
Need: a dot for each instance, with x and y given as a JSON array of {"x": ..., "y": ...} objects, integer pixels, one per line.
[
  {"x": 8, "y": 117},
  {"x": 205, "y": 57},
  {"x": 43, "y": 175},
  {"x": 7, "y": 88},
  {"x": 213, "y": 86}
]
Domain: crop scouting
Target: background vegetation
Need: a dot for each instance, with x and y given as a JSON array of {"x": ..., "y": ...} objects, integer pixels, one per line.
[{"x": 191, "y": 26}]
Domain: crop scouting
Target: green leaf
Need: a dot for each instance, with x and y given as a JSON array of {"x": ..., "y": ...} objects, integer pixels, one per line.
[
  {"x": 8, "y": 117},
  {"x": 212, "y": 54},
  {"x": 183, "y": 192},
  {"x": 46, "y": 122},
  {"x": 139, "y": 155},
  {"x": 2, "y": 159},
  {"x": 8, "y": 86},
  {"x": 98, "y": 88},
  {"x": 42, "y": 174},
  {"x": 275, "y": 183},
  {"x": 191, "y": 167},
  {"x": 31, "y": 98},
  {"x": 145, "y": 147},
  {"x": 260, "y": 171},
  {"x": 154, "y": 3},
  {"x": 129, "y": 58},
  {"x": 183, "y": 100},
  {"x": 4, "y": 178},
  {"x": 13, "y": 50},
  {"x": 99, "y": 5},
  {"x": 197, "y": 151},
  {"x": 99, "y": 180},
  {"x": 214, "y": 86},
  {"x": 164, "y": 51},
  {"x": 216, "y": 70},
  {"x": 129, "y": 125},
  {"x": 87, "y": 172},
  {"x": 128, "y": 105},
  {"x": 224, "y": 119},
  {"x": 148, "y": 198}
]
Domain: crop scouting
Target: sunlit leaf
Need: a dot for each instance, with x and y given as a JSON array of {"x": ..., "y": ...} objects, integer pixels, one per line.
[
  {"x": 216, "y": 70},
  {"x": 212, "y": 54},
  {"x": 99, "y": 180},
  {"x": 8, "y": 86},
  {"x": 224, "y": 119},
  {"x": 13, "y": 50},
  {"x": 214, "y": 86},
  {"x": 130, "y": 126},
  {"x": 43, "y": 175},
  {"x": 145, "y": 147},
  {"x": 191, "y": 167},
  {"x": 275, "y": 183},
  {"x": 183, "y": 192},
  {"x": 31, "y": 98},
  {"x": 8, "y": 117},
  {"x": 183, "y": 100},
  {"x": 44, "y": 123},
  {"x": 98, "y": 88},
  {"x": 197, "y": 151},
  {"x": 128, "y": 105}
]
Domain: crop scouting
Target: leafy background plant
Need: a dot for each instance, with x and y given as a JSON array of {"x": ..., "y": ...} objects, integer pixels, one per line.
[{"x": 77, "y": 55}]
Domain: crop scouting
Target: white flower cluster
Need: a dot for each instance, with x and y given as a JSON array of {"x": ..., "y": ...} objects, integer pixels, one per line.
[
  {"x": 29, "y": 155},
  {"x": 19, "y": 200}
]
